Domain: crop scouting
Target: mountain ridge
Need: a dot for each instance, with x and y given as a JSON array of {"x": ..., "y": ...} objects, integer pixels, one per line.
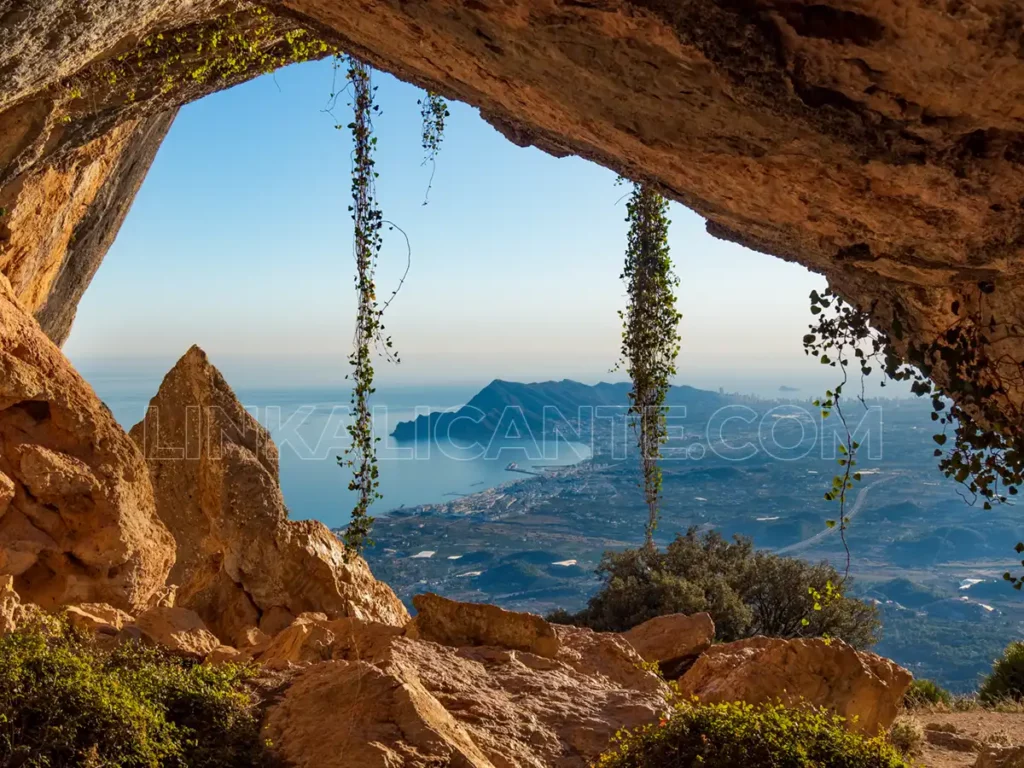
[{"x": 487, "y": 410}]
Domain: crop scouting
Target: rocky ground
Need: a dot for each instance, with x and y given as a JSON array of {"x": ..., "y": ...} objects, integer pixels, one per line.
[{"x": 974, "y": 738}]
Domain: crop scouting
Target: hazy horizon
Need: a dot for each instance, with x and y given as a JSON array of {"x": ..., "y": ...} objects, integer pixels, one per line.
[{"x": 240, "y": 241}]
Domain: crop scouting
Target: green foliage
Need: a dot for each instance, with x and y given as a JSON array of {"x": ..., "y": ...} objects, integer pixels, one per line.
[
  {"x": 923, "y": 693},
  {"x": 650, "y": 337},
  {"x": 1006, "y": 680},
  {"x": 246, "y": 43},
  {"x": 977, "y": 400},
  {"x": 65, "y": 702},
  {"x": 361, "y": 455},
  {"x": 838, "y": 335},
  {"x": 737, "y": 734},
  {"x": 433, "y": 110},
  {"x": 746, "y": 592}
]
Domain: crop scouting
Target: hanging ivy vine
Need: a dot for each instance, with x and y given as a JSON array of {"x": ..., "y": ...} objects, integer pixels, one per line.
[
  {"x": 433, "y": 111},
  {"x": 839, "y": 335},
  {"x": 976, "y": 406},
  {"x": 361, "y": 455},
  {"x": 650, "y": 336}
]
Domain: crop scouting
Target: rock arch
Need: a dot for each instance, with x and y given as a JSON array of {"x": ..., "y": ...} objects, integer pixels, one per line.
[{"x": 878, "y": 143}]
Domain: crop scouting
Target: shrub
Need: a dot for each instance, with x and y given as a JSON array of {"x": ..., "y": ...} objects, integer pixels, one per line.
[
  {"x": 66, "y": 702},
  {"x": 1006, "y": 680},
  {"x": 746, "y": 592},
  {"x": 924, "y": 693},
  {"x": 906, "y": 735},
  {"x": 765, "y": 736}
]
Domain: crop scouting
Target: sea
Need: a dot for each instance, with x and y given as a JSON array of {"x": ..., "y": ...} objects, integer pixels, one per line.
[{"x": 309, "y": 426}]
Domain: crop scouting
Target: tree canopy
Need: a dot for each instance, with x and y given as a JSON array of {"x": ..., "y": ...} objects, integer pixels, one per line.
[{"x": 747, "y": 592}]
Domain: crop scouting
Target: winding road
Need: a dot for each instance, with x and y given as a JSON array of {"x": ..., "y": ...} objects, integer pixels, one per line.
[{"x": 817, "y": 538}]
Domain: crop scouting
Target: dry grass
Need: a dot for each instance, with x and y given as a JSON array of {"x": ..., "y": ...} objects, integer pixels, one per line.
[
  {"x": 970, "y": 703},
  {"x": 907, "y": 735}
]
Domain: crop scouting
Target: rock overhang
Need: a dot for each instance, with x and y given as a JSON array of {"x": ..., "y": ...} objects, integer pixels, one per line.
[{"x": 877, "y": 143}]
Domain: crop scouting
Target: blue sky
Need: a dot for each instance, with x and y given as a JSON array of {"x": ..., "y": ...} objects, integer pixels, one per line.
[{"x": 240, "y": 241}]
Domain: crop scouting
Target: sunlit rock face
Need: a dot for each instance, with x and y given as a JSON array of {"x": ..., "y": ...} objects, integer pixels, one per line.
[
  {"x": 879, "y": 143},
  {"x": 63, "y": 219},
  {"x": 77, "y": 517},
  {"x": 864, "y": 688},
  {"x": 240, "y": 562}
]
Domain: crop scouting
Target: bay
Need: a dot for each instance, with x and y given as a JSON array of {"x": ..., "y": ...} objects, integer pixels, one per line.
[{"x": 308, "y": 424}]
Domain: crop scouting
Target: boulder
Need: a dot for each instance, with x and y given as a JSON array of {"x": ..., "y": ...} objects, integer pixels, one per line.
[
  {"x": 240, "y": 561},
  {"x": 525, "y": 710},
  {"x": 312, "y": 637},
  {"x": 251, "y": 637},
  {"x": 77, "y": 517},
  {"x": 177, "y": 629},
  {"x": 308, "y": 639},
  {"x": 97, "y": 618},
  {"x": 353, "y": 715},
  {"x": 163, "y": 597},
  {"x": 1000, "y": 757},
  {"x": 387, "y": 699},
  {"x": 356, "y": 640},
  {"x": 605, "y": 655},
  {"x": 672, "y": 641},
  {"x": 223, "y": 654},
  {"x": 864, "y": 688},
  {"x": 951, "y": 740},
  {"x": 450, "y": 622}
]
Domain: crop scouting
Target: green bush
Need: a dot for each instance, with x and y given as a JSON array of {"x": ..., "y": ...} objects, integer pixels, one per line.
[
  {"x": 765, "y": 736},
  {"x": 1006, "y": 680},
  {"x": 66, "y": 702},
  {"x": 923, "y": 693},
  {"x": 746, "y": 592}
]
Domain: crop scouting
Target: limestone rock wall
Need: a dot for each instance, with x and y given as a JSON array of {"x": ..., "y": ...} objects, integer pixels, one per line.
[
  {"x": 77, "y": 517},
  {"x": 62, "y": 219}
]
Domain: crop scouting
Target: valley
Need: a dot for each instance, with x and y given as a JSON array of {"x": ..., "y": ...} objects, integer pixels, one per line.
[{"x": 932, "y": 562}]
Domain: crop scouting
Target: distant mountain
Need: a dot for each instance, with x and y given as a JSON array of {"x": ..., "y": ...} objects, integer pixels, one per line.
[{"x": 506, "y": 408}]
